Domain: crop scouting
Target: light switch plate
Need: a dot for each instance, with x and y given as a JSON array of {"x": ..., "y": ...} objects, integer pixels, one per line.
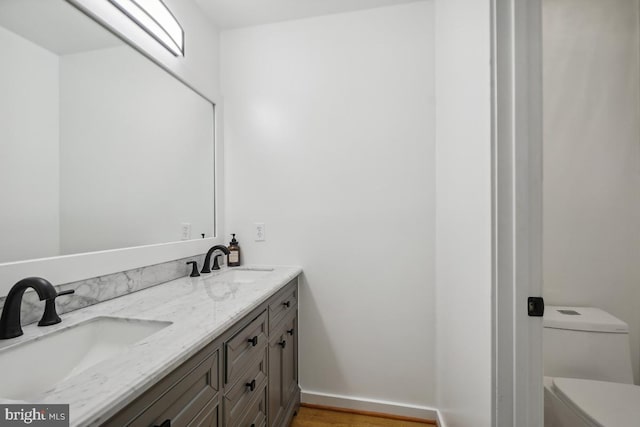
[{"x": 259, "y": 232}]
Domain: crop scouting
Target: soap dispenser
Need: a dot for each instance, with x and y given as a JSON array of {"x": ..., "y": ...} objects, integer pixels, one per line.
[{"x": 233, "y": 259}]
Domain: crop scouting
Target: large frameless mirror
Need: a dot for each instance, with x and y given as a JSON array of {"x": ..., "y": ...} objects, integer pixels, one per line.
[{"x": 100, "y": 148}]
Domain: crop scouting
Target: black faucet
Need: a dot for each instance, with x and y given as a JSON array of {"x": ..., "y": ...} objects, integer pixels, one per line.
[
  {"x": 10, "y": 320},
  {"x": 206, "y": 268}
]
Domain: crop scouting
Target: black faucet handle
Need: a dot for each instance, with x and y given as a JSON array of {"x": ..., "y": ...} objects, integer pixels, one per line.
[
  {"x": 216, "y": 266},
  {"x": 50, "y": 315},
  {"x": 194, "y": 269},
  {"x": 67, "y": 292}
]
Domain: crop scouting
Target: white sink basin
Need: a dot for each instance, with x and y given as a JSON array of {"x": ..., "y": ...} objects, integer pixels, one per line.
[
  {"x": 32, "y": 367},
  {"x": 242, "y": 276}
]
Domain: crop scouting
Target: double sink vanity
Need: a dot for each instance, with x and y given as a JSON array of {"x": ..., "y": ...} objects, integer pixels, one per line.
[{"x": 215, "y": 350}]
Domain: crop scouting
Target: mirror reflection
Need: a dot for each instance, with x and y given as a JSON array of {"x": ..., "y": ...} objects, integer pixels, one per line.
[{"x": 100, "y": 148}]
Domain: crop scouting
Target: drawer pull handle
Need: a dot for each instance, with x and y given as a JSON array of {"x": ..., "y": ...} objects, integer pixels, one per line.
[
  {"x": 287, "y": 304},
  {"x": 166, "y": 423},
  {"x": 283, "y": 343},
  {"x": 253, "y": 341},
  {"x": 251, "y": 385},
  {"x": 290, "y": 331}
]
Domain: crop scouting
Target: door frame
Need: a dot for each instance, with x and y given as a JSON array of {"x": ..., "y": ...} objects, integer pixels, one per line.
[{"x": 517, "y": 211}]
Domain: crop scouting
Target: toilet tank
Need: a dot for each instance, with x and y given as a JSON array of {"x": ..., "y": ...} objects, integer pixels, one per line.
[{"x": 585, "y": 342}]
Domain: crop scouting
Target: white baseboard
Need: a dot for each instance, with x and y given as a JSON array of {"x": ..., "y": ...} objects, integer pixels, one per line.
[{"x": 370, "y": 405}]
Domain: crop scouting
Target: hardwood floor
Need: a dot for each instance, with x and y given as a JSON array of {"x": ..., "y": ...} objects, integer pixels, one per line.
[{"x": 312, "y": 417}]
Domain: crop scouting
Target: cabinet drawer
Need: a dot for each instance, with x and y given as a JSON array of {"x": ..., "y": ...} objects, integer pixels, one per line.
[
  {"x": 237, "y": 400},
  {"x": 183, "y": 402},
  {"x": 208, "y": 417},
  {"x": 244, "y": 348},
  {"x": 256, "y": 413},
  {"x": 179, "y": 397},
  {"x": 283, "y": 305}
]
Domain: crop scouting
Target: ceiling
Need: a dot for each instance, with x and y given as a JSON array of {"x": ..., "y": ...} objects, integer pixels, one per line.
[
  {"x": 227, "y": 14},
  {"x": 54, "y": 25}
]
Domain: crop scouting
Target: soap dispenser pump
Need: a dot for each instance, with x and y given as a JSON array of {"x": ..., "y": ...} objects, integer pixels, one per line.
[{"x": 233, "y": 259}]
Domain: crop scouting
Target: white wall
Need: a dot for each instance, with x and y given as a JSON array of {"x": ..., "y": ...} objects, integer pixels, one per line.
[
  {"x": 592, "y": 158},
  {"x": 329, "y": 126},
  {"x": 28, "y": 136},
  {"x": 136, "y": 153},
  {"x": 463, "y": 212}
]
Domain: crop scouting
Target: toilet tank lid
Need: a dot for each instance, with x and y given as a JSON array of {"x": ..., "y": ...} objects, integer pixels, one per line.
[{"x": 583, "y": 319}]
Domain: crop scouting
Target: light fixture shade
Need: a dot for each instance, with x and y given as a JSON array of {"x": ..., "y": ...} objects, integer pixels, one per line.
[{"x": 156, "y": 19}]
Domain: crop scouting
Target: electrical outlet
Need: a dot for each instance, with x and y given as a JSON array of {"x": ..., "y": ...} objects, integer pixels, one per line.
[
  {"x": 259, "y": 232},
  {"x": 185, "y": 230}
]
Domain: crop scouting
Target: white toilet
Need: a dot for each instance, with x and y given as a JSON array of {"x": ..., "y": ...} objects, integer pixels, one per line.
[{"x": 587, "y": 366}]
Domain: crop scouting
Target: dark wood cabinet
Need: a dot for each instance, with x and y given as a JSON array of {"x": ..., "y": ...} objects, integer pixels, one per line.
[
  {"x": 283, "y": 305},
  {"x": 187, "y": 396},
  {"x": 283, "y": 370},
  {"x": 244, "y": 392},
  {"x": 246, "y": 377},
  {"x": 244, "y": 347}
]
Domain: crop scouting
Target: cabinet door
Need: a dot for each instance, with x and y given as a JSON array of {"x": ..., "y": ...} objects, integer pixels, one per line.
[
  {"x": 275, "y": 408},
  {"x": 290, "y": 361},
  {"x": 283, "y": 370}
]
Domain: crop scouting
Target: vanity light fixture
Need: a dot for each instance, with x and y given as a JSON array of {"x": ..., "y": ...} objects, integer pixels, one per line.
[{"x": 154, "y": 17}]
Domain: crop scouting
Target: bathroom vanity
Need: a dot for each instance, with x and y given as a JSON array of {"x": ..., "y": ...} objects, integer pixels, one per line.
[
  {"x": 246, "y": 377},
  {"x": 215, "y": 350}
]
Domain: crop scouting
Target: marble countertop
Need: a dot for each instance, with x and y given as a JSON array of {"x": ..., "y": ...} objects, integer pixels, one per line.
[{"x": 200, "y": 309}]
